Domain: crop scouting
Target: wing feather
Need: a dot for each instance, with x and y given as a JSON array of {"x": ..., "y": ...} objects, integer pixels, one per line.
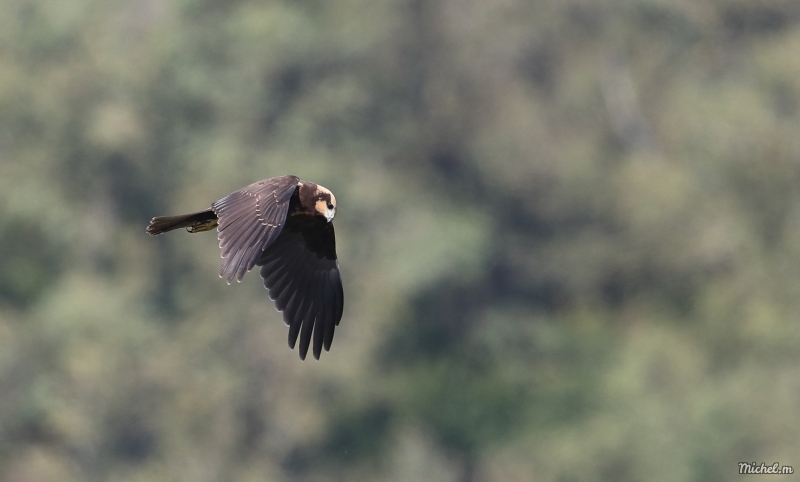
[
  {"x": 290, "y": 284},
  {"x": 295, "y": 310},
  {"x": 281, "y": 282},
  {"x": 251, "y": 219},
  {"x": 301, "y": 272},
  {"x": 324, "y": 315},
  {"x": 234, "y": 221},
  {"x": 243, "y": 237},
  {"x": 337, "y": 298},
  {"x": 252, "y": 245},
  {"x": 297, "y": 323},
  {"x": 305, "y": 331}
]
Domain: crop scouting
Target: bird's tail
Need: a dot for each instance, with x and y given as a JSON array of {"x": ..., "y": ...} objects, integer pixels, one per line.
[{"x": 195, "y": 222}]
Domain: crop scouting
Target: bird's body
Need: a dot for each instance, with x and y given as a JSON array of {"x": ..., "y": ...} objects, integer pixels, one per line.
[{"x": 284, "y": 226}]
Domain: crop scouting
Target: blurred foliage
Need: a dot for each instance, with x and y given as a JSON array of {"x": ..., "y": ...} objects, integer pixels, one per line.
[{"x": 568, "y": 232}]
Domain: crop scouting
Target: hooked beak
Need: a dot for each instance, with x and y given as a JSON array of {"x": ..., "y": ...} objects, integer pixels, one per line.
[{"x": 329, "y": 214}]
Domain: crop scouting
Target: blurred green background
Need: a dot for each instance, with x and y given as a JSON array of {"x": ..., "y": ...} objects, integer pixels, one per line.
[{"x": 569, "y": 232}]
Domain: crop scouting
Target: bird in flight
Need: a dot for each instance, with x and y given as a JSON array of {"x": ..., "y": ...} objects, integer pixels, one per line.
[{"x": 283, "y": 225}]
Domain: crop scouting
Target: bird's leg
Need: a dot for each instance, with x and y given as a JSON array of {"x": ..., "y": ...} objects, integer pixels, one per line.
[{"x": 204, "y": 225}]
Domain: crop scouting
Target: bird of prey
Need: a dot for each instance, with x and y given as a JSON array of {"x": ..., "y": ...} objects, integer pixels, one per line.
[{"x": 283, "y": 225}]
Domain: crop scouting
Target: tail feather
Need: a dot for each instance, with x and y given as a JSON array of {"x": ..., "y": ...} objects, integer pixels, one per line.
[{"x": 196, "y": 222}]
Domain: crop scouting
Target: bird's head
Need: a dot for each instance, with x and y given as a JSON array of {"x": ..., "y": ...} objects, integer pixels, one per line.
[{"x": 325, "y": 203}]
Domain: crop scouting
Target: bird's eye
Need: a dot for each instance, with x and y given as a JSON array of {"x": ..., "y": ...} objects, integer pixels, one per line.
[{"x": 330, "y": 206}]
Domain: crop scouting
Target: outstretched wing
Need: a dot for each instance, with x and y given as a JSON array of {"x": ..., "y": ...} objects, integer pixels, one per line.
[
  {"x": 250, "y": 219},
  {"x": 301, "y": 272}
]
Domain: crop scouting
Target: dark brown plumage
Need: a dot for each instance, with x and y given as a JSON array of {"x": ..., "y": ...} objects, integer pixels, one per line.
[{"x": 284, "y": 226}]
